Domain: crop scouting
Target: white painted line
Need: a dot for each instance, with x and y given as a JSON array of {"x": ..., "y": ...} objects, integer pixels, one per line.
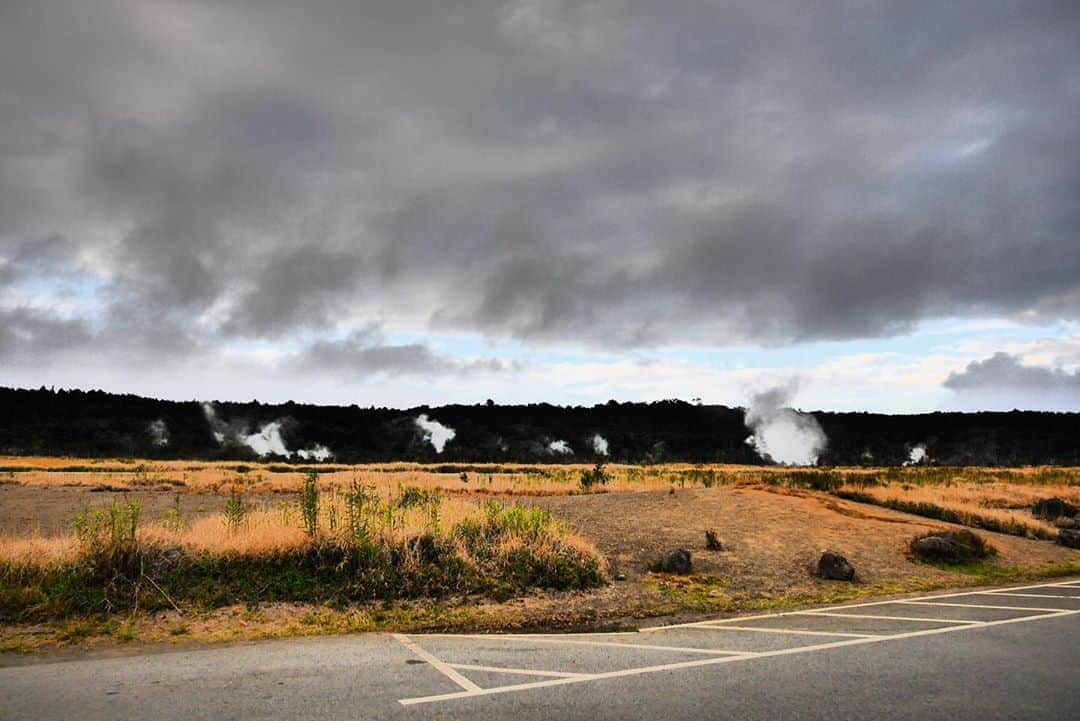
[
  {"x": 575, "y": 642},
  {"x": 726, "y": 659},
  {"x": 1029, "y": 595},
  {"x": 791, "y": 631},
  {"x": 983, "y": 605},
  {"x": 844, "y": 607},
  {"x": 519, "y": 671},
  {"x": 832, "y": 614},
  {"x": 437, "y": 664}
]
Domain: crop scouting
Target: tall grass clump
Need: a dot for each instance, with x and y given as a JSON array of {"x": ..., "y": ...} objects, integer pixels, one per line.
[{"x": 355, "y": 546}]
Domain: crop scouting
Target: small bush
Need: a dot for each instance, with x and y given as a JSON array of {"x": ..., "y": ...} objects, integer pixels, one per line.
[{"x": 598, "y": 476}]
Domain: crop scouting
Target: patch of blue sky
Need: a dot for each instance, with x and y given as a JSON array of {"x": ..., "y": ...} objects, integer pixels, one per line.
[{"x": 67, "y": 294}]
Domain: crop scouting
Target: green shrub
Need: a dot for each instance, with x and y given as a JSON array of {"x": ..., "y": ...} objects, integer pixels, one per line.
[{"x": 597, "y": 476}]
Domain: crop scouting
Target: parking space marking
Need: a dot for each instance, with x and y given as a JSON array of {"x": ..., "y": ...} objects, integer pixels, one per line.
[
  {"x": 718, "y": 656},
  {"x": 833, "y": 614},
  {"x": 792, "y": 631},
  {"x": 519, "y": 671},
  {"x": 575, "y": 642},
  {"x": 1028, "y": 595},
  {"x": 438, "y": 665},
  {"x": 984, "y": 605},
  {"x": 718, "y": 660}
]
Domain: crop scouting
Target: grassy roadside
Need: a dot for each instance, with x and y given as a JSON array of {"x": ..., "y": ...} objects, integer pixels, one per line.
[
  {"x": 666, "y": 598},
  {"x": 328, "y": 552}
]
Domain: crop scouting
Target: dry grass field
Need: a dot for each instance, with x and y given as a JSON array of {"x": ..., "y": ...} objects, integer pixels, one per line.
[{"x": 476, "y": 546}]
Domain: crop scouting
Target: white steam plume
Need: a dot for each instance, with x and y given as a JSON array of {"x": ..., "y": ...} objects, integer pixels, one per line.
[
  {"x": 560, "y": 447},
  {"x": 316, "y": 453},
  {"x": 267, "y": 440},
  {"x": 159, "y": 433},
  {"x": 434, "y": 432},
  {"x": 599, "y": 445},
  {"x": 264, "y": 442},
  {"x": 781, "y": 434},
  {"x": 917, "y": 455},
  {"x": 216, "y": 426}
]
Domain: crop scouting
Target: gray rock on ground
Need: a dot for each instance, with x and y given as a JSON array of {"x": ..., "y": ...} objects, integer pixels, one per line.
[
  {"x": 677, "y": 561},
  {"x": 1069, "y": 537}
]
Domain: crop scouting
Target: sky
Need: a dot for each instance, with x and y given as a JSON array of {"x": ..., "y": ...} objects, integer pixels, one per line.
[{"x": 404, "y": 203}]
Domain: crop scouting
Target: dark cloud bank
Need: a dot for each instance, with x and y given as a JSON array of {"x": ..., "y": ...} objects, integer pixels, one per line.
[
  {"x": 607, "y": 173},
  {"x": 1004, "y": 381}
]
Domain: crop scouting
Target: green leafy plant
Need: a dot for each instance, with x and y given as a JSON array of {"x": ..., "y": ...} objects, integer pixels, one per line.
[
  {"x": 309, "y": 503},
  {"x": 235, "y": 511}
]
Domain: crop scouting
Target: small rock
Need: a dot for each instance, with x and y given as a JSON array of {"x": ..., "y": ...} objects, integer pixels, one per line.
[
  {"x": 1052, "y": 508},
  {"x": 713, "y": 542},
  {"x": 835, "y": 567},
  {"x": 677, "y": 561},
  {"x": 1069, "y": 537},
  {"x": 620, "y": 576}
]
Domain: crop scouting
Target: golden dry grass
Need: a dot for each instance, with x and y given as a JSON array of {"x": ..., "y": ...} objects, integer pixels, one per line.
[
  {"x": 259, "y": 533},
  {"x": 1005, "y": 503}
]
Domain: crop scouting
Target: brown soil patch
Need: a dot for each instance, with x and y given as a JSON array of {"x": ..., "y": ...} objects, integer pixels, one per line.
[{"x": 771, "y": 539}]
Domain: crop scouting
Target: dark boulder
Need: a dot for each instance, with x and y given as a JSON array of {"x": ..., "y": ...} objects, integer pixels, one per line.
[
  {"x": 950, "y": 547},
  {"x": 835, "y": 567},
  {"x": 713, "y": 542},
  {"x": 1053, "y": 508},
  {"x": 677, "y": 561},
  {"x": 1069, "y": 537}
]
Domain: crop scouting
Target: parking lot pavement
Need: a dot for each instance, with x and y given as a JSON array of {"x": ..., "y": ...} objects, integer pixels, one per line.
[
  {"x": 985, "y": 654},
  {"x": 484, "y": 664}
]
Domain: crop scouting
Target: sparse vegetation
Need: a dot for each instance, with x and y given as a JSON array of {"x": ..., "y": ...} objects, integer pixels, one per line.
[{"x": 407, "y": 546}]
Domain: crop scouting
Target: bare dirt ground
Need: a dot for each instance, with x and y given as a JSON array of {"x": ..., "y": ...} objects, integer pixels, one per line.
[{"x": 771, "y": 536}]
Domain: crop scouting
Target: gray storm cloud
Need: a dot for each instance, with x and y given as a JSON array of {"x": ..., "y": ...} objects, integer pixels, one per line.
[
  {"x": 617, "y": 174},
  {"x": 1003, "y": 382}
]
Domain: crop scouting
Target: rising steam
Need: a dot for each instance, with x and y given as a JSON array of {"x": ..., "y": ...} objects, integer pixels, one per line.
[
  {"x": 266, "y": 441},
  {"x": 316, "y": 453},
  {"x": 217, "y": 427},
  {"x": 780, "y": 434},
  {"x": 599, "y": 445},
  {"x": 159, "y": 433},
  {"x": 434, "y": 432},
  {"x": 917, "y": 455},
  {"x": 561, "y": 447}
]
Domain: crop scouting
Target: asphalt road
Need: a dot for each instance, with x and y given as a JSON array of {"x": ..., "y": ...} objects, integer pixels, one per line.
[{"x": 1007, "y": 654}]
